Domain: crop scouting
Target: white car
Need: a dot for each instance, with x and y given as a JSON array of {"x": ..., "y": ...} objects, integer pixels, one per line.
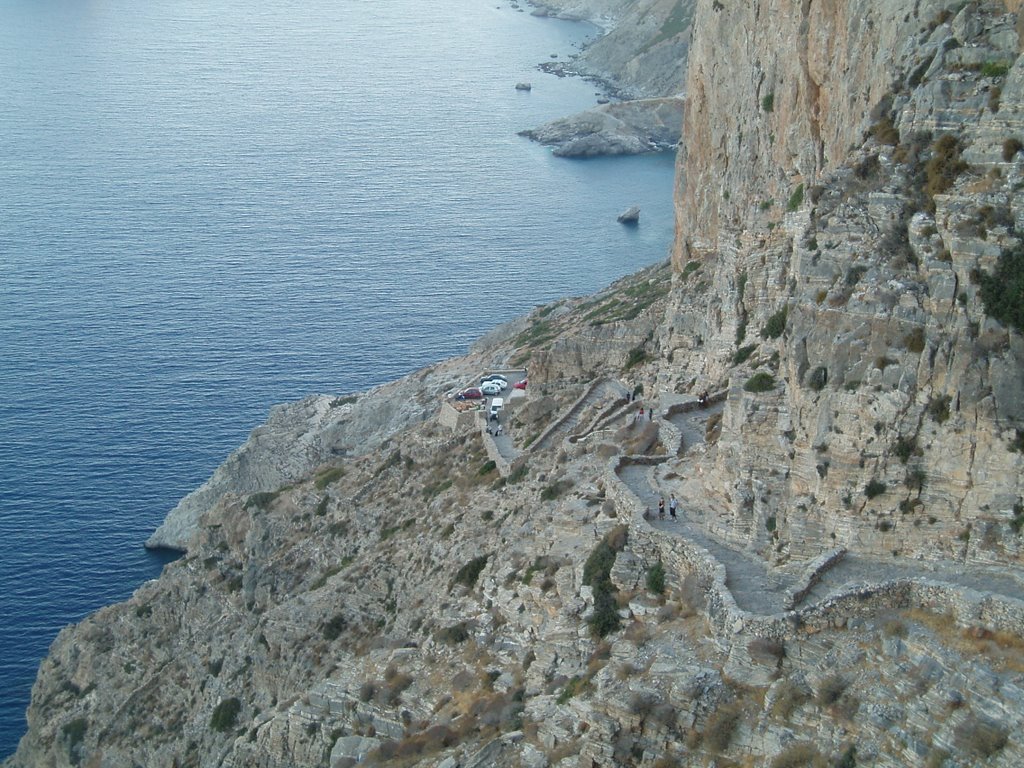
[
  {"x": 497, "y": 378},
  {"x": 492, "y": 387}
]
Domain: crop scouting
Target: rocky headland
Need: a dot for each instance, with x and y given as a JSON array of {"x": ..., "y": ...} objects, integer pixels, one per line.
[
  {"x": 830, "y": 375},
  {"x": 641, "y": 59}
]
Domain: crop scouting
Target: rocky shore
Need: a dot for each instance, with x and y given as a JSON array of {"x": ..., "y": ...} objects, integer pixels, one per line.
[{"x": 639, "y": 62}]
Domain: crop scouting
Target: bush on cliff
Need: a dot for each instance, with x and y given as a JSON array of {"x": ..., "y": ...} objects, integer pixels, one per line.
[
  {"x": 1002, "y": 293},
  {"x": 224, "y": 716},
  {"x": 597, "y": 574}
]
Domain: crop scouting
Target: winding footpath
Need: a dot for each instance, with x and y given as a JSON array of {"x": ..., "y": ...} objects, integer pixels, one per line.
[{"x": 759, "y": 589}]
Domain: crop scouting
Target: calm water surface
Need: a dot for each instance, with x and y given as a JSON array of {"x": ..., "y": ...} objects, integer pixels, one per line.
[{"x": 211, "y": 206}]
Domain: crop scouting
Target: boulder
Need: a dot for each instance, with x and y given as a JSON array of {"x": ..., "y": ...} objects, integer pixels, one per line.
[{"x": 630, "y": 216}]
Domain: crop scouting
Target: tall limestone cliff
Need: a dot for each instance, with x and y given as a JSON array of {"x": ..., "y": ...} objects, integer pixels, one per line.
[
  {"x": 380, "y": 580},
  {"x": 850, "y": 177}
]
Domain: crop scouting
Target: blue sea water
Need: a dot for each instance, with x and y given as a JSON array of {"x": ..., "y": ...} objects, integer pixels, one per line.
[{"x": 211, "y": 206}]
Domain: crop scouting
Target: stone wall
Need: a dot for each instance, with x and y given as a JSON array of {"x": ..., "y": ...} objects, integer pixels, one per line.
[{"x": 734, "y": 626}]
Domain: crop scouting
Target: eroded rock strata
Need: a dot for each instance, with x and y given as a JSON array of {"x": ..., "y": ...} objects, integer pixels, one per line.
[{"x": 368, "y": 584}]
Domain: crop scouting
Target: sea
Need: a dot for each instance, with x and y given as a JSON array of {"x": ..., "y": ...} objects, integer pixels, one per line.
[{"x": 211, "y": 206}]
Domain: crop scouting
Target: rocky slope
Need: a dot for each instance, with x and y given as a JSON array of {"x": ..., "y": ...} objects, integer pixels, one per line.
[
  {"x": 642, "y": 60},
  {"x": 363, "y": 586}
]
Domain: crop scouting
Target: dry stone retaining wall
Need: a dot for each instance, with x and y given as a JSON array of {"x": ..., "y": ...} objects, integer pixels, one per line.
[{"x": 681, "y": 558}]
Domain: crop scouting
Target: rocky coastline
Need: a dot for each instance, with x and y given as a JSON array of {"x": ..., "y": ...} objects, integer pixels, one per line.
[
  {"x": 645, "y": 113},
  {"x": 824, "y": 375}
]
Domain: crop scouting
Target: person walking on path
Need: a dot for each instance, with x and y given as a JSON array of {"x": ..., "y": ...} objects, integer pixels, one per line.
[
  {"x": 661, "y": 509},
  {"x": 672, "y": 504}
]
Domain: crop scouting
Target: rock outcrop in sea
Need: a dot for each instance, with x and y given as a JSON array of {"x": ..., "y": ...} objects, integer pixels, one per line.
[{"x": 827, "y": 376}]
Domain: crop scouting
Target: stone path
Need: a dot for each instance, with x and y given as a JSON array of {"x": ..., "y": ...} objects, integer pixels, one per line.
[
  {"x": 605, "y": 390},
  {"x": 747, "y": 577},
  {"x": 763, "y": 590}
]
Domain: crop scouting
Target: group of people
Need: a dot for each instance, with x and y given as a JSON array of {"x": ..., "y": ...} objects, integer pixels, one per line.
[
  {"x": 672, "y": 505},
  {"x": 496, "y": 429}
]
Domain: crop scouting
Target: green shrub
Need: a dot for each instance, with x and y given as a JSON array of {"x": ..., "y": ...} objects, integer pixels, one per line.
[
  {"x": 605, "y": 618},
  {"x": 470, "y": 572},
  {"x": 328, "y": 476},
  {"x": 760, "y": 382},
  {"x": 938, "y": 408},
  {"x": 818, "y": 378},
  {"x": 488, "y": 467},
  {"x": 788, "y": 698},
  {"x": 914, "y": 341},
  {"x": 261, "y": 499},
  {"x": 599, "y": 564},
  {"x": 720, "y": 727},
  {"x": 656, "y": 578},
  {"x": 518, "y": 473},
  {"x": 74, "y": 732},
  {"x": 943, "y": 168},
  {"x": 743, "y": 353},
  {"x": 597, "y": 575},
  {"x": 874, "y": 488},
  {"x": 1011, "y": 147},
  {"x": 904, "y": 448},
  {"x": 1017, "y": 523},
  {"x": 995, "y": 68},
  {"x": 799, "y": 755},
  {"x": 796, "y": 199},
  {"x": 884, "y": 132},
  {"x": 915, "y": 479},
  {"x": 830, "y": 690},
  {"x": 573, "y": 688},
  {"x": 1002, "y": 293},
  {"x": 334, "y": 627},
  {"x": 741, "y": 330},
  {"x": 980, "y": 738},
  {"x": 453, "y": 635},
  {"x": 848, "y": 759},
  {"x": 555, "y": 490},
  {"x": 776, "y": 324},
  {"x": 768, "y": 102},
  {"x": 854, "y": 274},
  {"x": 637, "y": 356},
  {"x": 226, "y": 713}
]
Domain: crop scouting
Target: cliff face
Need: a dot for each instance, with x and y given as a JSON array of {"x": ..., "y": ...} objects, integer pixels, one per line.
[
  {"x": 828, "y": 238},
  {"x": 365, "y": 585}
]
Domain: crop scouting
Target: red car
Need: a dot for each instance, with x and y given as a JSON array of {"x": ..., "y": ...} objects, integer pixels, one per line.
[
  {"x": 473, "y": 393},
  {"x": 520, "y": 384}
]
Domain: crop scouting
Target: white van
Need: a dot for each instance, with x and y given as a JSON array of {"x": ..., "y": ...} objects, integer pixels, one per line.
[{"x": 497, "y": 404}]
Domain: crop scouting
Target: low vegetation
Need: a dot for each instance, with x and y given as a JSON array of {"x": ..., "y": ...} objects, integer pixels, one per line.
[
  {"x": 470, "y": 572},
  {"x": 1002, "y": 292},
  {"x": 776, "y": 324},
  {"x": 597, "y": 575},
  {"x": 760, "y": 382},
  {"x": 225, "y": 715}
]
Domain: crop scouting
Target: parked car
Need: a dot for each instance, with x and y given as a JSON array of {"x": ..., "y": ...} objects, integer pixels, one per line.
[
  {"x": 520, "y": 384},
  {"x": 473, "y": 393},
  {"x": 495, "y": 377},
  {"x": 492, "y": 387}
]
